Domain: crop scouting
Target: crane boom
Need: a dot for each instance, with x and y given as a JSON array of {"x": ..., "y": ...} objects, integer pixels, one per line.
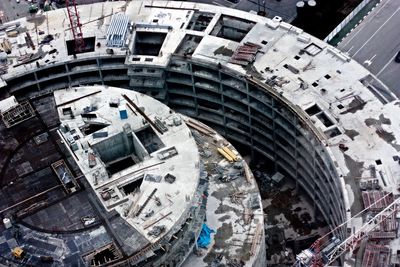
[
  {"x": 352, "y": 240},
  {"x": 312, "y": 256}
]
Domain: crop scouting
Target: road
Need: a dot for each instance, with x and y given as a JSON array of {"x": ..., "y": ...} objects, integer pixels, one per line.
[{"x": 376, "y": 41}]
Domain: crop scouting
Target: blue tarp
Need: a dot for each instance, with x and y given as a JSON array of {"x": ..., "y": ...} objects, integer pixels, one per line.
[{"x": 205, "y": 236}]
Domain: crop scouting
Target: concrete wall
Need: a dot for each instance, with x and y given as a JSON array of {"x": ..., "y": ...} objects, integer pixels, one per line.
[{"x": 240, "y": 108}]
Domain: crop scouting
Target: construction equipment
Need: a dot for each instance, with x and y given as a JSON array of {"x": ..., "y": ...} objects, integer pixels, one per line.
[
  {"x": 76, "y": 26},
  {"x": 226, "y": 155},
  {"x": 230, "y": 153},
  {"x": 334, "y": 247},
  {"x": 5, "y": 45},
  {"x": 18, "y": 253}
]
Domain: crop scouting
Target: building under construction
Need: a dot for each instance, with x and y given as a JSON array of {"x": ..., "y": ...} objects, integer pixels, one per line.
[{"x": 96, "y": 171}]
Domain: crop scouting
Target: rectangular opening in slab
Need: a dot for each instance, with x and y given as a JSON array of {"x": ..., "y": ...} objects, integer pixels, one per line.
[
  {"x": 188, "y": 44},
  {"x": 103, "y": 256},
  {"x": 91, "y": 127},
  {"x": 133, "y": 186},
  {"x": 314, "y": 109},
  {"x": 89, "y": 116},
  {"x": 200, "y": 21},
  {"x": 120, "y": 164},
  {"x": 67, "y": 111},
  {"x": 149, "y": 139},
  {"x": 89, "y": 46},
  {"x": 333, "y": 132},
  {"x": 148, "y": 43},
  {"x": 232, "y": 28},
  {"x": 324, "y": 119},
  {"x": 119, "y": 151}
]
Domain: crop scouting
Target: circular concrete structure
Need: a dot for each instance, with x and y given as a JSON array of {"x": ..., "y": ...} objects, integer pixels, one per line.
[{"x": 302, "y": 104}]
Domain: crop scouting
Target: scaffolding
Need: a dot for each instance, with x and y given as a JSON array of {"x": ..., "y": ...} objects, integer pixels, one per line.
[
  {"x": 65, "y": 176},
  {"x": 376, "y": 255},
  {"x": 370, "y": 199},
  {"x": 17, "y": 114},
  {"x": 116, "y": 33}
]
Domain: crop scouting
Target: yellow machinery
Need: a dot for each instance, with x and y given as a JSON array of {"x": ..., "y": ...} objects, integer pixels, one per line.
[
  {"x": 18, "y": 253},
  {"x": 230, "y": 153},
  {"x": 223, "y": 153}
]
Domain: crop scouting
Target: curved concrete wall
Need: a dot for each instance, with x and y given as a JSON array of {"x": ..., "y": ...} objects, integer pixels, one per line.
[{"x": 243, "y": 109}]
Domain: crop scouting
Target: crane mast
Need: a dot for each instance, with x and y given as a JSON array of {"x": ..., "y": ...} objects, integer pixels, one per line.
[{"x": 76, "y": 25}]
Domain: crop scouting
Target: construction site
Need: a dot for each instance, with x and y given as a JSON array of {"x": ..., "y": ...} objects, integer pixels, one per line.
[{"x": 168, "y": 133}]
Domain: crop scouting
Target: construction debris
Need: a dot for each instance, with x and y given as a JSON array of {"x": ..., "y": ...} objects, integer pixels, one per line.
[
  {"x": 157, "y": 230},
  {"x": 376, "y": 255},
  {"x": 153, "y": 178},
  {"x": 92, "y": 160},
  {"x": 245, "y": 54},
  {"x": 146, "y": 202},
  {"x": 151, "y": 223},
  {"x": 229, "y": 177},
  {"x": 169, "y": 178},
  {"x": 237, "y": 197},
  {"x": 41, "y": 138},
  {"x": 256, "y": 239},
  {"x": 225, "y": 155},
  {"x": 149, "y": 214},
  {"x": 254, "y": 202},
  {"x": 235, "y": 263},
  {"x": 197, "y": 126},
  {"x": 157, "y": 200},
  {"x": 167, "y": 153},
  {"x": 376, "y": 200},
  {"x": 248, "y": 215},
  {"x": 247, "y": 173},
  {"x": 88, "y": 220}
]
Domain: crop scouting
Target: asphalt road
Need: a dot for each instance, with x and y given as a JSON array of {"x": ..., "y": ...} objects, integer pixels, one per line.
[{"x": 376, "y": 41}]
